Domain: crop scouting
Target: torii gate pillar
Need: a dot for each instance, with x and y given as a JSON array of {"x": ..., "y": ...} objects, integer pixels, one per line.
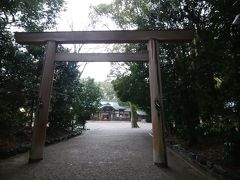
[
  {"x": 157, "y": 113},
  {"x": 40, "y": 124}
]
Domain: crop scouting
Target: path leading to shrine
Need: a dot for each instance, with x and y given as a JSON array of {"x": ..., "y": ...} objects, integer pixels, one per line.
[{"x": 110, "y": 150}]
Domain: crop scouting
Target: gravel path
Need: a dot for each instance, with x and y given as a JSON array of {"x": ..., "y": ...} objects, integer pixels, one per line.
[{"x": 110, "y": 150}]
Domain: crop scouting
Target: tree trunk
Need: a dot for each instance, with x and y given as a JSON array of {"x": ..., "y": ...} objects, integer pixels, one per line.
[
  {"x": 134, "y": 118},
  {"x": 31, "y": 112}
]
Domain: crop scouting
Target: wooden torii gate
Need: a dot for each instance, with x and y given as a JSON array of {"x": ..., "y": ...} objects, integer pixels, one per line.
[{"x": 51, "y": 39}]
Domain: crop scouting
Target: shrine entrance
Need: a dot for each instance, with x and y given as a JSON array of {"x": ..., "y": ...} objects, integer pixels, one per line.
[{"x": 52, "y": 39}]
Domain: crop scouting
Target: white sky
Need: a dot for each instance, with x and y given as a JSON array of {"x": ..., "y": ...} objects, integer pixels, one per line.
[{"x": 76, "y": 16}]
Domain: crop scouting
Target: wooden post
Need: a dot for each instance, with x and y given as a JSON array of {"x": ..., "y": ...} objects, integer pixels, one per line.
[
  {"x": 40, "y": 124},
  {"x": 159, "y": 147}
]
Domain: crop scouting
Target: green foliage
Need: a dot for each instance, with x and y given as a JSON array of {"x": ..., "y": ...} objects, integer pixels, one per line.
[
  {"x": 65, "y": 83},
  {"x": 87, "y": 101},
  {"x": 20, "y": 66},
  {"x": 227, "y": 129},
  {"x": 35, "y": 15},
  {"x": 73, "y": 101},
  {"x": 107, "y": 91},
  {"x": 134, "y": 87}
]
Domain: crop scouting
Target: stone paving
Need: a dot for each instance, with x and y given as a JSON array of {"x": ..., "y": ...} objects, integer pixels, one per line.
[{"x": 109, "y": 150}]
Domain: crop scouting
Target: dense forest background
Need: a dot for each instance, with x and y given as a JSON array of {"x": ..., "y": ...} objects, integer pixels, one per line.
[{"x": 200, "y": 79}]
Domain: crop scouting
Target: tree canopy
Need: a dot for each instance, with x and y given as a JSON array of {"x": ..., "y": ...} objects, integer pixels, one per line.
[{"x": 21, "y": 66}]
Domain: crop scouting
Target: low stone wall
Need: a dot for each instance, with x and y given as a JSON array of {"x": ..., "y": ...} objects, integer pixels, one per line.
[{"x": 215, "y": 169}]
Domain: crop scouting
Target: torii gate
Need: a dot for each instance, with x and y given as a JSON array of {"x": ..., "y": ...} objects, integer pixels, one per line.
[{"x": 83, "y": 37}]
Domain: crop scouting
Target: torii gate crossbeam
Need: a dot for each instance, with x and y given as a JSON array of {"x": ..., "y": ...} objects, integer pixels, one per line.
[{"x": 83, "y": 37}]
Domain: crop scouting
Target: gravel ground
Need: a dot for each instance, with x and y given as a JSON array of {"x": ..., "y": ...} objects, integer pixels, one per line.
[{"x": 109, "y": 150}]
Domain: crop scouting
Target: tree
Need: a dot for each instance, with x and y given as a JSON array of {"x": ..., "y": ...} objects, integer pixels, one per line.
[
  {"x": 134, "y": 117},
  {"x": 35, "y": 15},
  {"x": 107, "y": 91},
  {"x": 87, "y": 101},
  {"x": 20, "y": 66},
  {"x": 133, "y": 88},
  {"x": 66, "y": 83}
]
